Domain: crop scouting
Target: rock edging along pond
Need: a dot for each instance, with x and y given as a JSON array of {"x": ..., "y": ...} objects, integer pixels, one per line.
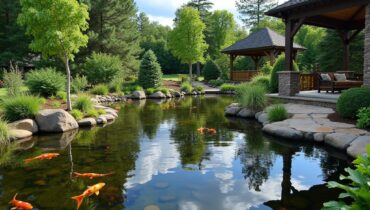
[{"x": 309, "y": 123}]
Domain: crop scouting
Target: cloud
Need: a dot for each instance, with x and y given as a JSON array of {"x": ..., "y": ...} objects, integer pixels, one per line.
[{"x": 166, "y": 21}]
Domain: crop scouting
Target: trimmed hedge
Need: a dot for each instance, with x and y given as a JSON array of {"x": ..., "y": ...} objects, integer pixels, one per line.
[
  {"x": 150, "y": 73},
  {"x": 45, "y": 82},
  {"x": 278, "y": 66},
  {"x": 352, "y": 100},
  {"x": 211, "y": 71}
]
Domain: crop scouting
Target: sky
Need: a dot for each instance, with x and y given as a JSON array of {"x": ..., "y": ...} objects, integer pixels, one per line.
[{"x": 163, "y": 11}]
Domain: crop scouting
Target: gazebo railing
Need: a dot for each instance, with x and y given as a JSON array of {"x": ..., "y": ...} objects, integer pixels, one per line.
[{"x": 243, "y": 75}]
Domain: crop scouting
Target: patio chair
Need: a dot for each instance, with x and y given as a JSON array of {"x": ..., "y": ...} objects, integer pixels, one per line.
[{"x": 336, "y": 82}]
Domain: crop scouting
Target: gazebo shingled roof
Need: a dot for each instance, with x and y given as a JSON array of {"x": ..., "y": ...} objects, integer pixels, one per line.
[{"x": 258, "y": 43}]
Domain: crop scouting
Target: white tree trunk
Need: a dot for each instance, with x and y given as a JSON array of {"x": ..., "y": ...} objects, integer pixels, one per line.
[{"x": 68, "y": 85}]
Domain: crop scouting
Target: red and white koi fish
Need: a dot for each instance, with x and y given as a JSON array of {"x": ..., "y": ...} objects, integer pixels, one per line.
[
  {"x": 90, "y": 175},
  {"x": 211, "y": 130},
  {"x": 47, "y": 156},
  {"x": 201, "y": 130},
  {"x": 88, "y": 192},
  {"x": 20, "y": 205}
]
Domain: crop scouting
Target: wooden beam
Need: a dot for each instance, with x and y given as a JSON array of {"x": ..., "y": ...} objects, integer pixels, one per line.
[
  {"x": 288, "y": 45},
  {"x": 354, "y": 16},
  {"x": 232, "y": 58},
  {"x": 297, "y": 26},
  {"x": 327, "y": 22},
  {"x": 354, "y": 34}
]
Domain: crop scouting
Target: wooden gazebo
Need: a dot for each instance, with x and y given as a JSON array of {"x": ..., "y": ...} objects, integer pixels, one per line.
[
  {"x": 264, "y": 42},
  {"x": 347, "y": 17}
]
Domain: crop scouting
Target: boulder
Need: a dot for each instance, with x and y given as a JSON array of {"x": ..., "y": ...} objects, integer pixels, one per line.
[
  {"x": 263, "y": 118},
  {"x": 284, "y": 132},
  {"x": 55, "y": 121},
  {"x": 111, "y": 112},
  {"x": 358, "y": 146},
  {"x": 177, "y": 94},
  {"x": 101, "y": 120},
  {"x": 16, "y": 134},
  {"x": 87, "y": 122},
  {"x": 27, "y": 124},
  {"x": 246, "y": 113},
  {"x": 319, "y": 137},
  {"x": 158, "y": 95},
  {"x": 232, "y": 109},
  {"x": 108, "y": 117},
  {"x": 139, "y": 94},
  {"x": 339, "y": 140}
]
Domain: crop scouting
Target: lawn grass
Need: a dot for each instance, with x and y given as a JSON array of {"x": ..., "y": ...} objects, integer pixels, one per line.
[{"x": 175, "y": 77}]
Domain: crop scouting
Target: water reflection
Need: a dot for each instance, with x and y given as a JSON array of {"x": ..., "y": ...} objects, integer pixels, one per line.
[{"x": 160, "y": 159}]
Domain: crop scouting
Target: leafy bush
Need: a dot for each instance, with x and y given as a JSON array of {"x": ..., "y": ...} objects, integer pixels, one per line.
[
  {"x": 62, "y": 95},
  {"x": 352, "y": 100},
  {"x": 92, "y": 113},
  {"x": 278, "y": 66},
  {"x": 83, "y": 103},
  {"x": 199, "y": 89},
  {"x": 251, "y": 96},
  {"x": 102, "y": 68},
  {"x": 266, "y": 69},
  {"x": 164, "y": 90},
  {"x": 77, "y": 114},
  {"x": 216, "y": 83},
  {"x": 129, "y": 87},
  {"x": 79, "y": 83},
  {"x": 186, "y": 87},
  {"x": 13, "y": 81},
  {"x": 116, "y": 85},
  {"x": 150, "y": 91},
  {"x": 4, "y": 132},
  {"x": 184, "y": 78},
  {"x": 358, "y": 190},
  {"x": 211, "y": 71},
  {"x": 150, "y": 73},
  {"x": 45, "y": 82},
  {"x": 100, "y": 90},
  {"x": 21, "y": 107},
  {"x": 262, "y": 80},
  {"x": 363, "y": 116},
  {"x": 277, "y": 113},
  {"x": 228, "y": 87}
]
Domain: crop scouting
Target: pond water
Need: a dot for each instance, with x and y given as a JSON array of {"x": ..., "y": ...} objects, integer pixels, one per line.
[{"x": 160, "y": 161}]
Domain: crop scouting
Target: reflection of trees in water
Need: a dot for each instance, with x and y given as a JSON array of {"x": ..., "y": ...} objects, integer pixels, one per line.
[{"x": 150, "y": 118}]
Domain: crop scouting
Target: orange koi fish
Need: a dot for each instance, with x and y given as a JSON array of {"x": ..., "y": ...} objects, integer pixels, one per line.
[
  {"x": 91, "y": 175},
  {"x": 47, "y": 156},
  {"x": 20, "y": 205},
  {"x": 211, "y": 130},
  {"x": 88, "y": 192},
  {"x": 201, "y": 130}
]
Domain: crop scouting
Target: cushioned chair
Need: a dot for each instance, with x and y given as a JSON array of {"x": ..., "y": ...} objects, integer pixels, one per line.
[{"x": 333, "y": 84}]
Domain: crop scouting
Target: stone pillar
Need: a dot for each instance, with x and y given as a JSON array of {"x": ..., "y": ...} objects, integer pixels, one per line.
[
  {"x": 367, "y": 48},
  {"x": 288, "y": 83}
]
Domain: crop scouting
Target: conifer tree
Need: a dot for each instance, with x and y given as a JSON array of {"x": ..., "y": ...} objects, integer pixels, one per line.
[
  {"x": 253, "y": 11},
  {"x": 150, "y": 73}
]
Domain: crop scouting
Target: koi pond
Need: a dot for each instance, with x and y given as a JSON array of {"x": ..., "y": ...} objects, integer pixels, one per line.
[{"x": 160, "y": 161}]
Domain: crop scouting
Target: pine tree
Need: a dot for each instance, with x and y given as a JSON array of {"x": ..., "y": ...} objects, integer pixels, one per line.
[
  {"x": 150, "y": 73},
  {"x": 114, "y": 30},
  {"x": 203, "y": 7},
  {"x": 13, "y": 41},
  {"x": 252, "y": 11}
]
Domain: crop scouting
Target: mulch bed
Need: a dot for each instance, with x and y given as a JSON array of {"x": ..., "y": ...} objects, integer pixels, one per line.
[
  {"x": 49, "y": 104},
  {"x": 171, "y": 84},
  {"x": 336, "y": 118}
]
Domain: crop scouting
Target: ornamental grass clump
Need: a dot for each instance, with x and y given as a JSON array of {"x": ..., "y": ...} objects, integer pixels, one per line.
[
  {"x": 45, "y": 82},
  {"x": 228, "y": 87},
  {"x": 277, "y": 113},
  {"x": 21, "y": 107},
  {"x": 13, "y": 81},
  {"x": 262, "y": 80},
  {"x": 101, "y": 89},
  {"x": 4, "y": 132},
  {"x": 186, "y": 87},
  {"x": 77, "y": 114},
  {"x": 83, "y": 103},
  {"x": 251, "y": 96}
]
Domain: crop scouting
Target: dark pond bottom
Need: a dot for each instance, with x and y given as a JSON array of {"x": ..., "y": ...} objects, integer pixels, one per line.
[{"x": 160, "y": 161}]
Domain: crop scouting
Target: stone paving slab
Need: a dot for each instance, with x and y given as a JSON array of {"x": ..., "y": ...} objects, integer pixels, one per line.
[{"x": 358, "y": 146}]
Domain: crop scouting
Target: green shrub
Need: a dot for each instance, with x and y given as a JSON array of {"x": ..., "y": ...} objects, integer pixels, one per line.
[
  {"x": 129, "y": 87},
  {"x": 216, "y": 83},
  {"x": 262, "y": 80},
  {"x": 150, "y": 73},
  {"x": 79, "y": 83},
  {"x": 277, "y": 113},
  {"x": 100, "y": 90},
  {"x": 186, "y": 87},
  {"x": 150, "y": 91},
  {"x": 116, "y": 85},
  {"x": 211, "y": 71},
  {"x": 266, "y": 69},
  {"x": 45, "y": 82},
  {"x": 228, "y": 87},
  {"x": 92, "y": 113},
  {"x": 363, "y": 116},
  {"x": 56, "y": 104},
  {"x": 21, "y": 107},
  {"x": 251, "y": 96},
  {"x": 62, "y": 95},
  {"x": 83, "y": 103},
  {"x": 102, "y": 68},
  {"x": 358, "y": 191},
  {"x": 13, "y": 81},
  {"x": 77, "y": 114},
  {"x": 278, "y": 66},
  {"x": 184, "y": 78},
  {"x": 164, "y": 90},
  {"x": 199, "y": 89},
  {"x": 352, "y": 100},
  {"x": 4, "y": 132}
]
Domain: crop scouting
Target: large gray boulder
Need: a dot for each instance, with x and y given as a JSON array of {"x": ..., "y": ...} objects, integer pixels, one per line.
[
  {"x": 358, "y": 146},
  {"x": 339, "y": 140},
  {"x": 246, "y": 113},
  {"x": 284, "y": 132},
  {"x": 87, "y": 122},
  {"x": 232, "y": 109},
  {"x": 55, "y": 121},
  {"x": 138, "y": 95},
  {"x": 26, "y": 124},
  {"x": 17, "y": 134},
  {"x": 158, "y": 95}
]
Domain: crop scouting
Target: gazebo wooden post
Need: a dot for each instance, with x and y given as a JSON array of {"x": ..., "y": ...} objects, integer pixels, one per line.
[
  {"x": 367, "y": 48},
  {"x": 345, "y": 42},
  {"x": 256, "y": 60},
  {"x": 232, "y": 58},
  {"x": 288, "y": 45}
]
